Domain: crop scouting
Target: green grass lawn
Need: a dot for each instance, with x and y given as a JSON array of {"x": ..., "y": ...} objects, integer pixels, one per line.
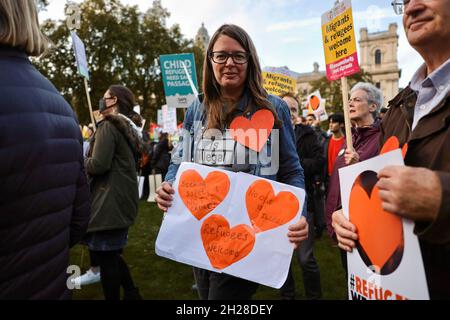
[{"x": 162, "y": 279}]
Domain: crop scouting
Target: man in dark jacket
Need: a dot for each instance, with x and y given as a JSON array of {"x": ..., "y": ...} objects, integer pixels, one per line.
[
  {"x": 44, "y": 198},
  {"x": 311, "y": 158},
  {"x": 420, "y": 117},
  {"x": 161, "y": 156}
]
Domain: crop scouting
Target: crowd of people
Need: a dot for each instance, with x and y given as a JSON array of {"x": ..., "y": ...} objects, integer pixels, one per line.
[{"x": 55, "y": 195}]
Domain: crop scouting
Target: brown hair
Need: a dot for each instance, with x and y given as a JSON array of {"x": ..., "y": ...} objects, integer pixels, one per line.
[
  {"x": 19, "y": 27},
  {"x": 125, "y": 99},
  {"x": 254, "y": 82}
]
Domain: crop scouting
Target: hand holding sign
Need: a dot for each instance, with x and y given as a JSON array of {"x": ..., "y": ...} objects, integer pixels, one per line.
[
  {"x": 215, "y": 223},
  {"x": 413, "y": 193},
  {"x": 388, "y": 251}
]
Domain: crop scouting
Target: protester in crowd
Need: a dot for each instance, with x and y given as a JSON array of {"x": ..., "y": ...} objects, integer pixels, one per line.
[
  {"x": 44, "y": 203},
  {"x": 302, "y": 120},
  {"x": 87, "y": 132},
  {"x": 311, "y": 158},
  {"x": 419, "y": 116},
  {"x": 314, "y": 123},
  {"x": 112, "y": 166},
  {"x": 333, "y": 145},
  {"x": 233, "y": 86},
  {"x": 145, "y": 164},
  {"x": 295, "y": 119},
  {"x": 383, "y": 111},
  {"x": 161, "y": 156},
  {"x": 93, "y": 275},
  {"x": 365, "y": 101},
  {"x": 318, "y": 195}
]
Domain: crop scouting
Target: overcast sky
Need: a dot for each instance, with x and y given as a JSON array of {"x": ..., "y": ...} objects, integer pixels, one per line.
[{"x": 285, "y": 32}]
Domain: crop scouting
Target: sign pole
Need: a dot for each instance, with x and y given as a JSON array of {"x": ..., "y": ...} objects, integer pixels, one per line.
[
  {"x": 348, "y": 124},
  {"x": 341, "y": 56},
  {"x": 86, "y": 87}
]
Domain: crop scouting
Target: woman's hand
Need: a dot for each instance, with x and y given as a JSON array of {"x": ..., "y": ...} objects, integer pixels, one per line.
[
  {"x": 298, "y": 232},
  {"x": 345, "y": 231},
  {"x": 351, "y": 157},
  {"x": 164, "y": 196}
]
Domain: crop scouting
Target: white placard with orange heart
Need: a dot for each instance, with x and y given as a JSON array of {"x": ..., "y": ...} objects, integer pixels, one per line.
[
  {"x": 387, "y": 263},
  {"x": 232, "y": 223}
]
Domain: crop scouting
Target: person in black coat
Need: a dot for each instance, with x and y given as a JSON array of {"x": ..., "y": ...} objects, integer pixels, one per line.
[
  {"x": 311, "y": 158},
  {"x": 161, "y": 156},
  {"x": 44, "y": 197}
]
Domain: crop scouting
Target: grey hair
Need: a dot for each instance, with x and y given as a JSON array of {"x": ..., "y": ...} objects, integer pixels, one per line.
[{"x": 374, "y": 95}]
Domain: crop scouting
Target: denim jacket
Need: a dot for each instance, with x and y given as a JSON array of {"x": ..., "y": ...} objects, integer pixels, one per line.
[{"x": 289, "y": 170}]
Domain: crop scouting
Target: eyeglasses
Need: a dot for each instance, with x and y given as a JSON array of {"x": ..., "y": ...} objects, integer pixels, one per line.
[
  {"x": 221, "y": 57},
  {"x": 400, "y": 5}
]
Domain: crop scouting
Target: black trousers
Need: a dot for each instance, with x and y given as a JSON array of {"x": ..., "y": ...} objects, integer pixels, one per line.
[
  {"x": 114, "y": 273},
  {"x": 219, "y": 286},
  {"x": 310, "y": 269}
]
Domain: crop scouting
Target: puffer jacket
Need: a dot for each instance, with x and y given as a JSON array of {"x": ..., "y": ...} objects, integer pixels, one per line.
[{"x": 44, "y": 196}]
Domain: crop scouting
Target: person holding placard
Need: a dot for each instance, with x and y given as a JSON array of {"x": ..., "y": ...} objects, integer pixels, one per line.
[
  {"x": 112, "y": 167},
  {"x": 312, "y": 160},
  {"x": 44, "y": 202},
  {"x": 233, "y": 94},
  {"x": 364, "y": 104},
  {"x": 161, "y": 156},
  {"x": 419, "y": 116}
]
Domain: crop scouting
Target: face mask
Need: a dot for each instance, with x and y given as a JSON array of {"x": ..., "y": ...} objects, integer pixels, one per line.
[{"x": 102, "y": 105}]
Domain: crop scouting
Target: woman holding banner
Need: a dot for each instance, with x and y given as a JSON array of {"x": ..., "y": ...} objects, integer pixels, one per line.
[
  {"x": 233, "y": 87},
  {"x": 112, "y": 167},
  {"x": 364, "y": 104}
]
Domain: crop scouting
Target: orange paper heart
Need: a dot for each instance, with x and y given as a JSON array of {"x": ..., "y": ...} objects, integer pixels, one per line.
[
  {"x": 203, "y": 196},
  {"x": 253, "y": 133},
  {"x": 380, "y": 233},
  {"x": 314, "y": 102},
  {"x": 225, "y": 246},
  {"x": 267, "y": 211}
]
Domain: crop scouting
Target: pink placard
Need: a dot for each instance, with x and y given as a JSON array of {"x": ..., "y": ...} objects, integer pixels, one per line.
[{"x": 343, "y": 68}]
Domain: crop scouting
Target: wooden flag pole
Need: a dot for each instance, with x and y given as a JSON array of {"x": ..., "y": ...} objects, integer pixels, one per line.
[
  {"x": 86, "y": 86},
  {"x": 348, "y": 124}
]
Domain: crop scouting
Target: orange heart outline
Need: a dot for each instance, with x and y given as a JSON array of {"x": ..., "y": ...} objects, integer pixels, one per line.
[
  {"x": 380, "y": 233},
  {"x": 267, "y": 211},
  {"x": 253, "y": 133},
  {"x": 202, "y": 196},
  {"x": 223, "y": 245}
]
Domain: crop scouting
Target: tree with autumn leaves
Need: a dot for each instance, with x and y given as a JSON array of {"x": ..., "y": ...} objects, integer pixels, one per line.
[{"x": 123, "y": 46}]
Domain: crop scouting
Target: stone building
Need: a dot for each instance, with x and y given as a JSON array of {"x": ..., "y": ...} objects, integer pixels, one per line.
[
  {"x": 202, "y": 38},
  {"x": 377, "y": 56}
]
